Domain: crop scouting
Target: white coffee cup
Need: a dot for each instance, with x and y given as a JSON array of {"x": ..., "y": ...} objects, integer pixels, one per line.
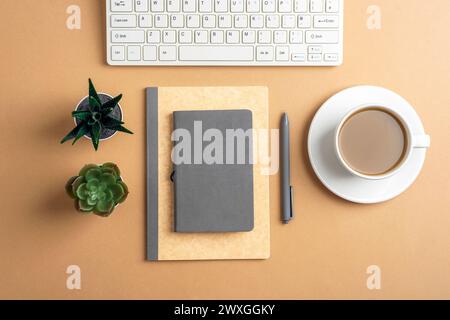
[{"x": 414, "y": 141}]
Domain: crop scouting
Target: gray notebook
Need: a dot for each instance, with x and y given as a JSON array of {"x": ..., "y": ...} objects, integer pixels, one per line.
[{"x": 213, "y": 171}]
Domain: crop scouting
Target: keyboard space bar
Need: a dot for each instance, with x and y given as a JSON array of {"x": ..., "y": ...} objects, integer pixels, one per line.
[{"x": 216, "y": 53}]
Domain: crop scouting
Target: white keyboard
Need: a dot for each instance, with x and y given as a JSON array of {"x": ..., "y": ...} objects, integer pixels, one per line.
[{"x": 225, "y": 32}]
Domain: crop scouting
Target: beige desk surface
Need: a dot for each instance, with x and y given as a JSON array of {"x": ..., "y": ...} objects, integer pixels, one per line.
[{"x": 324, "y": 253}]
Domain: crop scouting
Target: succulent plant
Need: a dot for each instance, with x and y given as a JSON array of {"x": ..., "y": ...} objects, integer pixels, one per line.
[
  {"x": 97, "y": 189},
  {"x": 97, "y": 118}
]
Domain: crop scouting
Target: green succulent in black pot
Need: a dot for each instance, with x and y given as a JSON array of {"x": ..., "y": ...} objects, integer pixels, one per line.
[
  {"x": 97, "y": 117},
  {"x": 97, "y": 189}
]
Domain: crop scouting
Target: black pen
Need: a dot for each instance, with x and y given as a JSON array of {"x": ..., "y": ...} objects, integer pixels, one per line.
[{"x": 287, "y": 213}]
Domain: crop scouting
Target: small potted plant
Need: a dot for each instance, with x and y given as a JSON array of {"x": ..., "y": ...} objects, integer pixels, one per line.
[
  {"x": 98, "y": 117},
  {"x": 97, "y": 189}
]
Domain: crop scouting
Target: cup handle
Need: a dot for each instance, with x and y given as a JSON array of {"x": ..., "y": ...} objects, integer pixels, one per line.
[{"x": 422, "y": 141}]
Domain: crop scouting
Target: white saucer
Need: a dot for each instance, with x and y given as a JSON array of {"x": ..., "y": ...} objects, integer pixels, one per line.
[{"x": 324, "y": 159}]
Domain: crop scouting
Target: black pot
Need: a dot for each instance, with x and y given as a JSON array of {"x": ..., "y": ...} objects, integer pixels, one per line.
[{"x": 116, "y": 114}]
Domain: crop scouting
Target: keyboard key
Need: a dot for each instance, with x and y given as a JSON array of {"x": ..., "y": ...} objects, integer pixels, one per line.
[
  {"x": 257, "y": 21},
  {"x": 264, "y": 36},
  {"x": 121, "y": 5},
  {"x": 225, "y": 21},
  {"x": 316, "y": 6},
  {"x": 216, "y": 53},
  {"x": 314, "y": 49},
  {"x": 301, "y": 5},
  {"x": 322, "y": 36},
  {"x": 117, "y": 53},
  {"x": 201, "y": 36},
  {"x": 123, "y": 21},
  {"x": 332, "y": 6},
  {"x": 248, "y": 36},
  {"x": 177, "y": 21},
  {"x": 268, "y": 5},
  {"x": 157, "y": 5},
  {"x": 237, "y": 6},
  {"x": 272, "y": 21},
  {"x": 169, "y": 36},
  {"x": 161, "y": 21},
  {"x": 217, "y": 37},
  {"x": 193, "y": 21},
  {"x": 240, "y": 21},
  {"x": 141, "y": 5},
  {"x": 150, "y": 53},
  {"x": 325, "y": 22},
  {"x": 145, "y": 21},
  {"x": 253, "y": 6},
  {"x": 167, "y": 53},
  {"x": 282, "y": 53},
  {"x": 314, "y": 57},
  {"x": 185, "y": 36},
  {"x": 284, "y": 6},
  {"x": 221, "y": 5},
  {"x": 205, "y": 5},
  {"x": 189, "y": 5},
  {"x": 331, "y": 57},
  {"x": 134, "y": 53},
  {"x": 304, "y": 22},
  {"x": 125, "y": 36},
  {"x": 288, "y": 21},
  {"x": 209, "y": 21},
  {"x": 280, "y": 36},
  {"x": 298, "y": 57},
  {"x": 233, "y": 37},
  {"x": 173, "y": 5},
  {"x": 154, "y": 36},
  {"x": 264, "y": 53},
  {"x": 296, "y": 37}
]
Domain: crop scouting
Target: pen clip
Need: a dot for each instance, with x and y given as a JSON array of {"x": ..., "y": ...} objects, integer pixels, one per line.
[{"x": 291, "y": 193}]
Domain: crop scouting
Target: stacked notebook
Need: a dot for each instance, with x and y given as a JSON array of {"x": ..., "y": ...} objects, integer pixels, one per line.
[
  {"x": 213, "y": 192},
  {"x": 206, "y": 199}
]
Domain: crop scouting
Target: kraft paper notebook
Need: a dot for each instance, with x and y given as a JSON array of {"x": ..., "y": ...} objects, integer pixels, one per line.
[{"x": 163, "y": 243}]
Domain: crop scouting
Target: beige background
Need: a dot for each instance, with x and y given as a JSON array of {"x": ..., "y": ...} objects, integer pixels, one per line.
[{"x": 324, "y": 253}]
